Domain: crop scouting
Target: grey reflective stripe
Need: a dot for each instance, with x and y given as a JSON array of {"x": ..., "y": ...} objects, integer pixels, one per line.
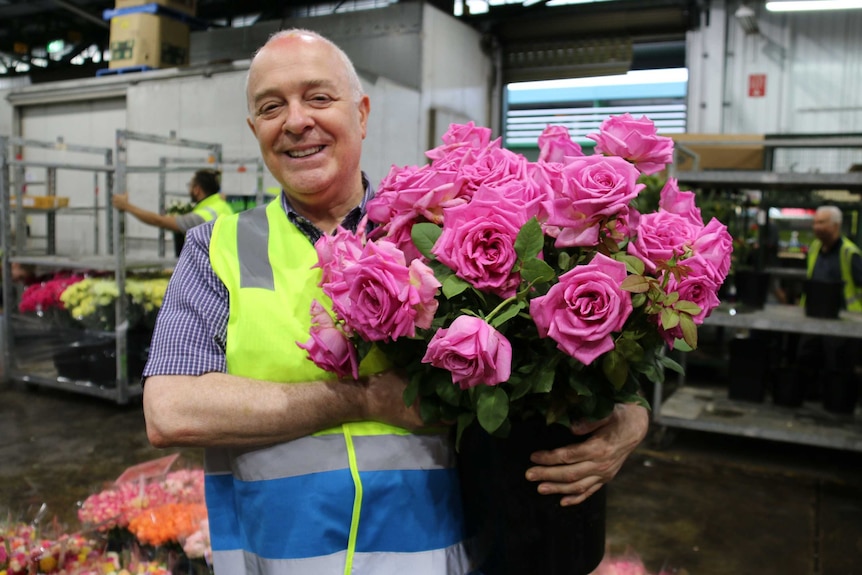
[
  {"x": 301, "y": 456},
  {"x": 387, "y": 452},
  {"x": 252, "y": 232},
  {"x": 212, "y": 212},
  {"x": 317, "y": 454},
  {"x": 243, "y": 563},
  {"x": 449, "y": 561}
]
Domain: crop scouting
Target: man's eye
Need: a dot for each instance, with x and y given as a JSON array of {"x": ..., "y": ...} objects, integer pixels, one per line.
[
  {"x": 267, "y": 109},
  {"x": 321, "y": 99}
]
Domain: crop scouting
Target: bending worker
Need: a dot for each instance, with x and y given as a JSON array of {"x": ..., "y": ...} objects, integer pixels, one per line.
[
  {"x": 204, "y": 189},
  {"x": 305, "y": 474}
]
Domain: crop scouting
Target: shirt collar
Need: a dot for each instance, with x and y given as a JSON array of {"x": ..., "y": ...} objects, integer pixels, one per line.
[{"x": 350, "y": 221}]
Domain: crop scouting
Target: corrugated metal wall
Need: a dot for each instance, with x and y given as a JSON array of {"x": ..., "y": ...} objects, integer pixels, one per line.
[{"x": 810, "y": 65}]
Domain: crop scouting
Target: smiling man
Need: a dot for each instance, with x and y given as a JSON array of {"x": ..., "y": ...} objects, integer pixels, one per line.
[{"x": 307, "y": 474}]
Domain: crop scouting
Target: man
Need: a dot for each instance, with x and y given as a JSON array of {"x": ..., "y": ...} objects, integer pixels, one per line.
[
  {"x": 827, "y": 360},
  {"x": 204, "y": 189},
  {"x": 318, "y": 476},
  {"x": 833, "y": 257}
]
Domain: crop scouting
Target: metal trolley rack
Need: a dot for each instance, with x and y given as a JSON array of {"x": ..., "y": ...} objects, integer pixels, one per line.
[
  {"x": 710, "y": 409},
  {"x": 112, "y": 259}
]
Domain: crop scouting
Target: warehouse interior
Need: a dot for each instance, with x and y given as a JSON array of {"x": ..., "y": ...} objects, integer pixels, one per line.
[{"x": 751, "y": 464}]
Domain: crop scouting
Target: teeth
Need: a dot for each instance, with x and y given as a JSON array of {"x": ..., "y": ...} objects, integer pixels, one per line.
[{"x": 304, "y": 153}]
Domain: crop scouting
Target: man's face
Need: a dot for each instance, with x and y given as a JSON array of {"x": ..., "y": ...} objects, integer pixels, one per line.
[
  {"x": 824, "y": 228},
  {"x": 306, "y": 119}
]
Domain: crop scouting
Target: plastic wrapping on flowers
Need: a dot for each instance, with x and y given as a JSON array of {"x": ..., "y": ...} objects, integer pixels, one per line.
[{"x": 508, "y": 288}]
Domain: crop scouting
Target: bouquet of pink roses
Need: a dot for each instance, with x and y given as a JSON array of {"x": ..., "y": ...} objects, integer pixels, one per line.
[{"x": 508, "y": 288}]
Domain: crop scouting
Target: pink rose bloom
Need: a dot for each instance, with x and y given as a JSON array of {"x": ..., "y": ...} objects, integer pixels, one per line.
[
  {"x": 584, "y": 309},
  {"x": 595, "y": 188},
  {"x": 714, "y": 244},
  {"x": 384, "y": 298},
  {"x": 677, "y": 202},
  {"x": 555, "y": 145},
  {"x": 661, "y": 236},
  {"x": 469, "y": 133},
  {"x": 492, "y": 167},
  {"x": 635, "y": 141},
  {"x": 478, "y": 243},
  {"x": 329, "y": 348},
  {"x": 473, "y": 351},
  {"x": 336, "y": 251},
  {"x": 699, "y": 287},
  {"x": 624, "y": 226}
]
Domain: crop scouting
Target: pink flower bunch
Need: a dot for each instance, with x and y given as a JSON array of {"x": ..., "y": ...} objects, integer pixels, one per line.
[
  {"x": 119, "y": 504},
  {"x": 40, "y": 297},
  {"x": 23, "y": 553},
  {"x": 507, "y": 287}
]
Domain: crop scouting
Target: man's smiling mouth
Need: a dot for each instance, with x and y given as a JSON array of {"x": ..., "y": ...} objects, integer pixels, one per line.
[{"x": 304, "y": 153}]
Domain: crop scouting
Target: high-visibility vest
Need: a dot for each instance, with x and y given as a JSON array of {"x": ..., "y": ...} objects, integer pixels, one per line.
[
  {"x": 212, "y": 207},
  {"x": 363, "y": 498},
  {"x": 852, "y": 295}
]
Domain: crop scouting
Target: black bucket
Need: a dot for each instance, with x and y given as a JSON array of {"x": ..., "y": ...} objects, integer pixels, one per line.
[
  {"x": 823, "y": 299},
  {"x": 752, "y": 287}
]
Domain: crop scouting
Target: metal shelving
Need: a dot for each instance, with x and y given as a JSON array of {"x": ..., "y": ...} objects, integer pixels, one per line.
[{"x": 111, "y": 258}]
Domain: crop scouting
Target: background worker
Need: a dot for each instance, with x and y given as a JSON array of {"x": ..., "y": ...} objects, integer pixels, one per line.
[
  {"x": 204, "y": 189},
  {"x": 832, "y": 257},
  {"x": 308, "y": 474}
]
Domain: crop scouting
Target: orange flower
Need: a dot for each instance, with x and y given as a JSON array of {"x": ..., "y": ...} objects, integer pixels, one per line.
[{"x": 169, "y": 523}]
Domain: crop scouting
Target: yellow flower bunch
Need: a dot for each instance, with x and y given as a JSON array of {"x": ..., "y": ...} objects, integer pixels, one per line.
[{"x": 92, "y": 300}]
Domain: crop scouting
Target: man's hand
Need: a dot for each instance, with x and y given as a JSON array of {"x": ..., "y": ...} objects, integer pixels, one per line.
[
  {"x": 384, "y": 401},
  {"x": 579, "y": 470},
  {"x": 121, "y": 201}
]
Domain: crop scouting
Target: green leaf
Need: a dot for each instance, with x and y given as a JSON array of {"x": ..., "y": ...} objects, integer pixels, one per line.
[
  {"x": 689, "y": 330},
  {"x": 453, "y": 285},
  {"x": 535, "y": 270},
  {"x": 671, "y": 364},
  {"x": 631, "y": 350},
  {"x": 508, "y": 313},
  {"x": 634, "y": 265},
  {"x": 492, "y": 408},
  {"x": 688, "y": 307},
  {"x": 563, "y": 260},
  {"x": 638, "y": 300},
  {"x": 530, "y": 240},
  {"x": 424, "y": 237},
  {"x": 616, "y": 368},
  {"x": 681, "y": 345},
  {"x": 411, "y": 392},
  {"x": 669, "y": 318},
  {"x": 446, "y": 390},
  {"x": 635, "y": 284},
  {"x": 671, "y": 298},
  {"x": 545, "y": 378}
]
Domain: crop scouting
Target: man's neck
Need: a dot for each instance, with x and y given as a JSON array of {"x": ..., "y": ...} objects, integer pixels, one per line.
[{"x": 828, "y": 244}]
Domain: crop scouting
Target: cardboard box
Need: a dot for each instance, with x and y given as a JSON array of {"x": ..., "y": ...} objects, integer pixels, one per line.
[
  {"x": 185, "y": 6},
  {"x": 719, "y": 151},
  {"x": 148, "y": 40}
]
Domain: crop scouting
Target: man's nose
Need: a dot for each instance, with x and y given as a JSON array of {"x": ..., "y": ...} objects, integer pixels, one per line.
[{"x": 298, "y": 118}]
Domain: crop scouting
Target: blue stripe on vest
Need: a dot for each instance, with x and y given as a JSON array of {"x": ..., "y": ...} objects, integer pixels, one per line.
[
  {"x": 310, "y": 514},
  {"x": 408, "y": 511},
  {"x": 276, "y": 516}
]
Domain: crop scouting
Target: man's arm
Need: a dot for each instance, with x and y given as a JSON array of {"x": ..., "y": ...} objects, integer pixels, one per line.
[
  {"x": 121, "y": 202},
  {"x": 579, "y": 470},
  {"x": 221, "y": 409}
]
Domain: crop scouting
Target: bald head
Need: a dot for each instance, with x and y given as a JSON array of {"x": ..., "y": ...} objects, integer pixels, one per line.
[
  {"x": 827, "y": 225},
  {"x": 278, "y": 41}
]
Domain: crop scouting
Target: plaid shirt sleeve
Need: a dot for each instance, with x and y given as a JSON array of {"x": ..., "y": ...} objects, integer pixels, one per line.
[{"x": 189, "y": 337}]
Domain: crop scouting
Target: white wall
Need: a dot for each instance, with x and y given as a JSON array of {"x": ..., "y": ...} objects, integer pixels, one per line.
[
  {"x": 457, "y": 78},
  {"x": 813, "y": 67}
]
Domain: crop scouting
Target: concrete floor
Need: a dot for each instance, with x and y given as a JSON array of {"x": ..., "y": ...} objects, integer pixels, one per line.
[{"x": 702, "y": 504}]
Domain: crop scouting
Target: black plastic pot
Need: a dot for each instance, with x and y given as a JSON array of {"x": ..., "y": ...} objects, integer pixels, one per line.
[
  {"x": 823, "y": 299},
  {"x": 519, "y": 530},
  {"x": 752, "y": 287}
]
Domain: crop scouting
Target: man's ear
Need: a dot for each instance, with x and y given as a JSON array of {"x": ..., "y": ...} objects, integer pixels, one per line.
[
  {"x": 364, "y": 110},
  {"x": 251, "y": 125}
]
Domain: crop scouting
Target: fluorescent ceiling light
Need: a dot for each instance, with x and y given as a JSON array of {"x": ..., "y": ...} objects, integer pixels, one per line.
[
  {"x": 810, "y": 5},
  {"x": 661, "y": 76}
]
